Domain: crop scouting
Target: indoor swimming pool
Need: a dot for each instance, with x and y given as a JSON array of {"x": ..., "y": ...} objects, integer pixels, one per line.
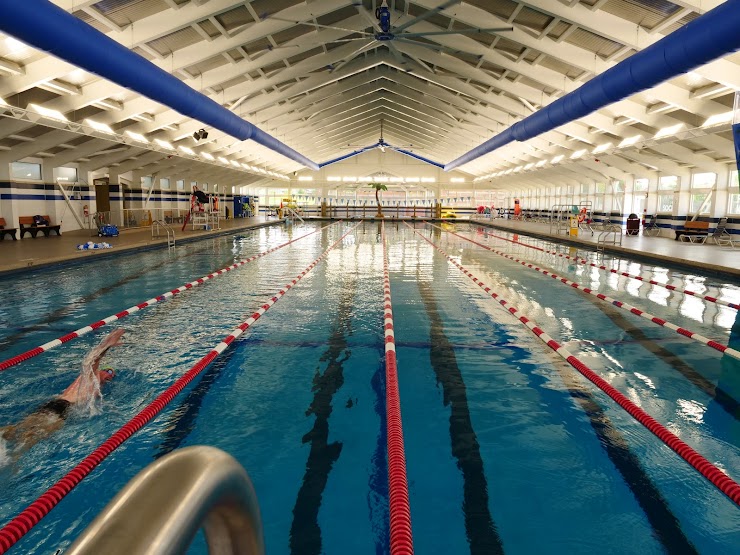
[{"x": 508, "y": 448}]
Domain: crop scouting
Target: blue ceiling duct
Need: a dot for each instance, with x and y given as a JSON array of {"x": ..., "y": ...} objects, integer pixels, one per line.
[
  {"x": 47, "y": 27},
  {"x": 711, "y": 36}
]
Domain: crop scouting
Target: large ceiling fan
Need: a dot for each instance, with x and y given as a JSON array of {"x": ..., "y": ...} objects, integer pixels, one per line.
[
  {"x": 386, "y": 33},
  {"x": 382, "y": 145}
]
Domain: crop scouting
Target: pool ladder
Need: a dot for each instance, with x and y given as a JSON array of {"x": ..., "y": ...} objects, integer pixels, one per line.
[
  {"x": 610, "y": 233},
  {"x": 157, "y": 225},
  {"x": 166, "y": 504}
]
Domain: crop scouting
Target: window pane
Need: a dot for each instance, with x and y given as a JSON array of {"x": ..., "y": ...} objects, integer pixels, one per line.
[
  {"x": 180, "y": 184},
  {"x": 668, "y": 183},
  {"x": 703, "y": 180},
  {"x": 734, "y": 179},
  {"x": 164, "y": 183},
  {"x": 734, "y": 203},
  {"x": 696, "y": 202},
  {"x": 25, "y": 170},
  {"x": 67, "y": 174},
  {"x": 641, "y": 184},
  {"x": 665, "y": 203}
]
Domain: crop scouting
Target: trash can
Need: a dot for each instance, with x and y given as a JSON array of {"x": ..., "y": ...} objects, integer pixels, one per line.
[{"x": 633, "y": 224}]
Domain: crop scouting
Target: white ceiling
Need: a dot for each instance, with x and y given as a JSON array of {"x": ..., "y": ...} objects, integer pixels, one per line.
[{"x": 311, "y": 74}]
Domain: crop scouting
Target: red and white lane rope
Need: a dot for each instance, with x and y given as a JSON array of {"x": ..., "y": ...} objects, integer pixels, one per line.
[
  {"x": 625, "y": 274},
  {"x": 398, "y": 490},
  {"x": 13, "y": 531},
  {"x": 626, "y": 306},
  {"x": 723, "y": 482},
  {"x": 5, "y": 364}
]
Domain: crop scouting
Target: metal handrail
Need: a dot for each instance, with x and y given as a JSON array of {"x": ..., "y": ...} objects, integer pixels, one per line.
[
  {"x": 161, "y": 509},
  {"x": 157, "y": 224}
]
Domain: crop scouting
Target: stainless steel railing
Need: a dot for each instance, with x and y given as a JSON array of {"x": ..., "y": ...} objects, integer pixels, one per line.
[{"x": 160, "y": 510}]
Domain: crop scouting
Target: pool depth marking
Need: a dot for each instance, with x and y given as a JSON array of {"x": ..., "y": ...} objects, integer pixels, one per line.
[
  {"x": 398, "y": 491},
  {"x": 721, "y": 480},
  {"x": 625, "y": 274},
  {"x": 722, "y": 348},
  {"x": 14, "y": 530},
  {"x": 4, "y": 365}
]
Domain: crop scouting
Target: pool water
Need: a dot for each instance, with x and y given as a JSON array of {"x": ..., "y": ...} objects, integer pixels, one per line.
[{"x": 508, "y": 448}]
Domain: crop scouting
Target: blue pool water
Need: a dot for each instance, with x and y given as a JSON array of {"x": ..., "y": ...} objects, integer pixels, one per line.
[{"x": 509, "y": 450}]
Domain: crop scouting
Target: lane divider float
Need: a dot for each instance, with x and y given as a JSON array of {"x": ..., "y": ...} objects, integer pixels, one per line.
[
  {"x": 398, "y": 491},
  {"x": 625, "y": 274},
  {"x": 5, "y": 364},
  {"x": 722, "y": 348},
  {"x": 718, "y": 478},
  {"x": 14, "y": 530}
]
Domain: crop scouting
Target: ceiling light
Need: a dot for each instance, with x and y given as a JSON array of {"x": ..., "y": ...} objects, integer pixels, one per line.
[
  {"x": 395, "y": 179},
  {"x": 236, "y": 164},
  {"x": 305, "y": 178},
  {"x": 60, "y": 86},
  {"x": 170, "y": 127},
  {"x": 103, "y": 128},
  {"x": 717, "y": 119},
  {"x": 557, "y": 158},
  {"x": 137, "y": 137},
  {"x": 349, "y": 179},
  {"x": 207, "y": 155},
  {"x": 108, "y": 104},
  {"x": 164, "y": 144},
  {"x": 3, "y": 103},
  {"x": 15, "y": 46},
  {"x": 541, "y": 163},
  {"x": 629, "y": 141},
  {"x": 412, "y": 180},
  {"x": 143, "y": 117},
  {"x": 602, "y": 148},
  {"x": 333, "y": 178},
  {"x": 668, "y": 131},
  {"x": 47, "y": 112},
  {"x": 528, "y": 166},
  {"x": 578, "y": 154},
  {"x": 187, "y": 150},
  {"x": 458, "y": 180},
  {"x": 223, "y": 160},
  {"x": 380, "y": 179}
]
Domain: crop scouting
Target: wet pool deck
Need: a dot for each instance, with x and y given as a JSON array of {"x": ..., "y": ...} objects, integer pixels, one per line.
[{"x": 28, "y": 254}]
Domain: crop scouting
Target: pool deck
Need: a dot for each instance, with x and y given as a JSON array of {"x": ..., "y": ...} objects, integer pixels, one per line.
[{"x": 27, "y": 254}]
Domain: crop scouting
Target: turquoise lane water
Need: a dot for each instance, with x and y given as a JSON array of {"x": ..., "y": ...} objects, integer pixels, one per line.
[{"x": 508, "y": 448}]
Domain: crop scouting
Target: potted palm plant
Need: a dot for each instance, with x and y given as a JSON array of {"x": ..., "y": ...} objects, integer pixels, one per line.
[{"x": 378, "y": 187}]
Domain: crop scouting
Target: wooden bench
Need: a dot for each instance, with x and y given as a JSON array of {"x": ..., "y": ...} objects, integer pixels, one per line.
[
  {"x": 7, "y": 230},
  {"x": 693, "y": 231},
  {"x": 27, "y": 226}
]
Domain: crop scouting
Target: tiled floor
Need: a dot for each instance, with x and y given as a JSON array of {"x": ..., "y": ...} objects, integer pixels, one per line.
[
  {"x": 707, "y": 257},
  {"x": 32, "y": 253}
]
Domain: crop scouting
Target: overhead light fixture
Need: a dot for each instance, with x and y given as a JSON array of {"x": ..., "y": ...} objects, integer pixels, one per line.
[
  {"x": 578, "y": 154},
  {"x": 143, "y": 117},
  {"x": 57, "y": 86},
  {"x": 349, "y": 179},
  {"x": 602, "y": 148},
  {"x": 2, "y": 102},
  {"x": 412, "y": 180},
  {"x": 529, "y": 166},
  {"x": 305, "y": 178},
  {"x": 47, "y": 112},
  {"x": 427, "y": 180},
  {"x": 717, "y": 119},
  {"x": 200, "y": 134},
  {"x": 629, "y": 141},
  {"x": 458, "y": 180},
  {"x": 333, "y": 178},
  {"x": 381, "y": 179},
  {"x": 103, "y": 128},
  {"x": 170, "y": 127},
  {"x": 207, "y": 155},
  {"x": 395, "y": 179},
  {"x": 223, "y": 160},
  {"x": 137, "y": 137},
  {"x": 557, "y": 158},
  {"x": 187, "y": 150},
  {"x": 236, "y": 164},
  {"x": 164, "y": 144},
  {"x": 108, "y": 104},
  {"x": 541, "y": 163},
  {"x": 668, "y": 131}
]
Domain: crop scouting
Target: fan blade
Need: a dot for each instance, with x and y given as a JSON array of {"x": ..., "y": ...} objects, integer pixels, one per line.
[
  {"x": 353, "y": 55},
  {"x": 435, "y": 47},
  {"x": 462, "y": 32},
  {"x": 425, "y": 15},
  {"x": 308, "y": 23},
  {"x": 368, "y": 16}
]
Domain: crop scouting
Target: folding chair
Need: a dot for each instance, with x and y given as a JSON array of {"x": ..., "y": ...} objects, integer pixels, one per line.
[{"x": 651, "y": 228}]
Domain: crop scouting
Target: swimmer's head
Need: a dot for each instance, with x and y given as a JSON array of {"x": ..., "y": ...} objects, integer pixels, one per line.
[{"x": 106, "y": 373}]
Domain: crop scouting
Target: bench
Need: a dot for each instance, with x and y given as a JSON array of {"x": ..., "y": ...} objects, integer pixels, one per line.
[
  {"x": 693, "y": 231},
  {"x": 7, "y": 230},
  {"x": 27, "y": 226}
]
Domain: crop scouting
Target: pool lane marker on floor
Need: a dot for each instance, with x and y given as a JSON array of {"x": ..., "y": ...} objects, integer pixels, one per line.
[
  {"x": 14, "y": 530},
  {"x": 625, "y": 274},
  {"x": 721, "y": 480},
  {"x": 5, "y": 364},
  {"x": 398, "y": 490},
  {"x": 729, "y": 351}
]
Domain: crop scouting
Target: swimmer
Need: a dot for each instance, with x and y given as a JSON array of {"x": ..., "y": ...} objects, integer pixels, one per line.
[{"x": 50, "y": 417}]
